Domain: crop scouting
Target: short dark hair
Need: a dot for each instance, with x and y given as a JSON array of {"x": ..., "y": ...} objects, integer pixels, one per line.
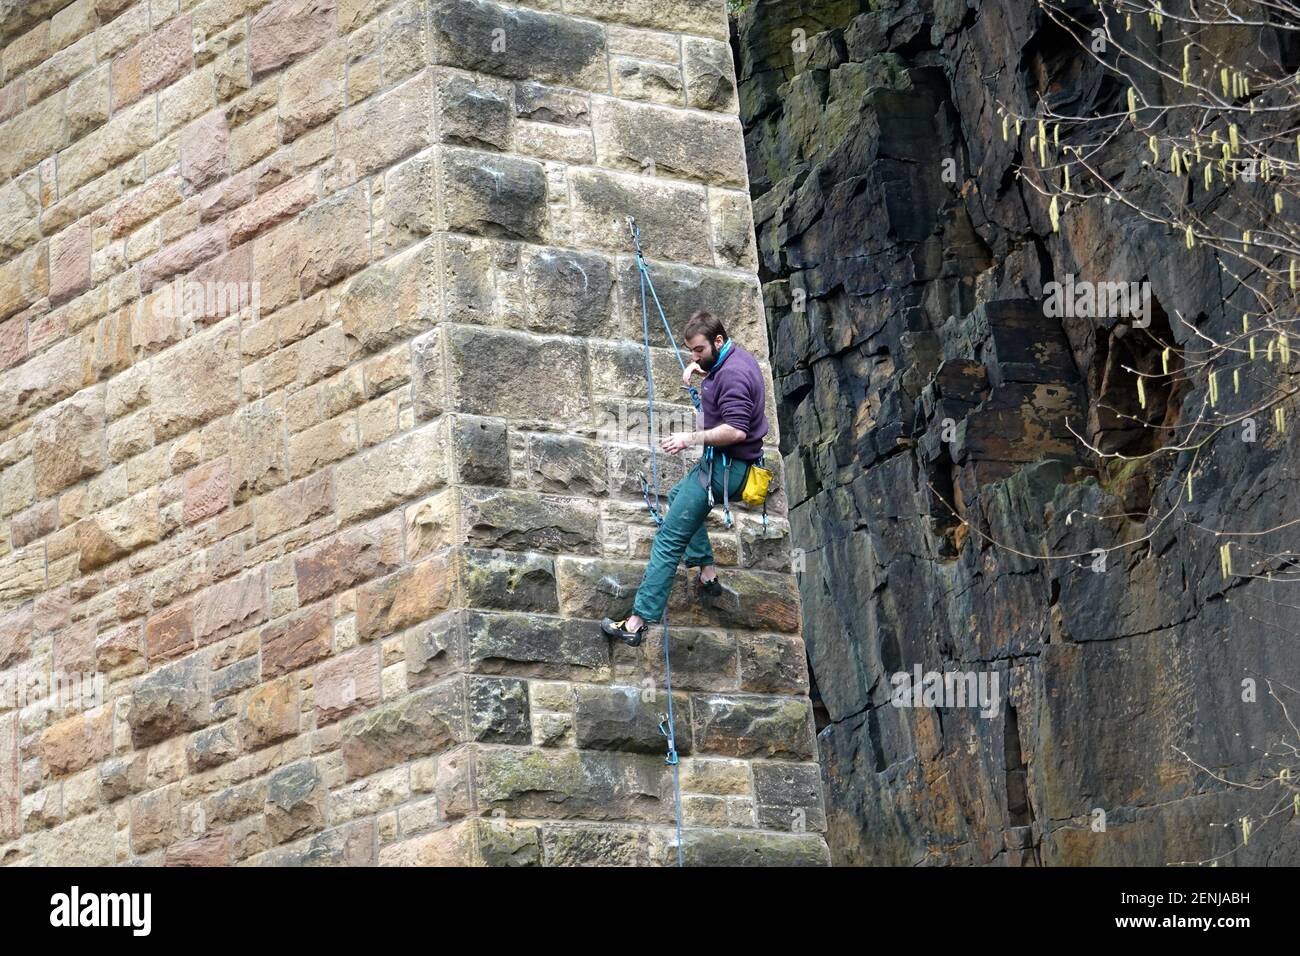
[{"x": 705, "y": 324}]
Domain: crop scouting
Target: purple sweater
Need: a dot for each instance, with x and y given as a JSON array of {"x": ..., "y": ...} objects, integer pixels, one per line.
[{"x": 735, "y": 394}]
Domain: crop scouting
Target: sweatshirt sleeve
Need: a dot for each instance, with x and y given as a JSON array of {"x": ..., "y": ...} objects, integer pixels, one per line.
[{"x": 736, "y": 404}]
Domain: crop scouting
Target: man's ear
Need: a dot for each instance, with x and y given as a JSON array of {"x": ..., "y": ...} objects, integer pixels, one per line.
[{"x": 718, "y": 343}]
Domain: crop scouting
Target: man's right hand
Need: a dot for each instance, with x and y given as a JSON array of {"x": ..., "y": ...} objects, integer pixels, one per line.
[{"x": 692, "y": 369}]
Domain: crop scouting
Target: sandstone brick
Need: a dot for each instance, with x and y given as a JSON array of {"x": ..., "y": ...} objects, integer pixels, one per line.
[
  {"x": 425, "y": 722},
  {"x": 20, "y": 206},
  {"x": 677, "y": 16},
  {"x": 155, "y": 819},
  {"x": 13, "y": 342},
  {"x": 346, "y": 684},
  {"x": 297, "y": 640},
  {"x": 207, "y": 491},
  {"x": 269, "y": 713},
  {"x": 88, "y": 102},
  {"x": 23, "y": 280},
  {"x": 230, "y": 607},
  {"x": 287, "y": 29},
  {"x": 293, "y": 505},
  {"x": 204, "y": 145},
  {"x": 32, "y": 135},
  {"x": 197, "y": 382},
  {"x": 10, "y": 782},
  {"x": 212, "y": 849},
  {"x": 68, "y": 442},
  {"x": 473, "y": 110},
  {"x": 385, "y": 128},
  {"x": 170, "y": 633},
  {"x": 400, "y": 600},
  {"x": 78, "y": 741},
  {"x": 393, "y": 300},
  {"x": 533, "y": 645},
  {"x": 335, "y": 239},
  {"x": 537, "y": 46},
  {"x": 126, "y": 134},
  {"x": 117, "y": 531},
  {"x": 296, "y": 801},
  {"x": 673, "y": 218},
  {"x": 349, "y": 558},
  {"x": 69, "y": 264},
  {"x": 591, "y": 785},
  {"x": 379, "y": 478},
  {"x": 483, "y": 365},
  {"x": 15, "y": 636},
  {"x": 491, "y": 195},
  {"x": 312, "y": 91},
  {"x": 259, "y": 455},
  {"x": 316, "y": 447}
]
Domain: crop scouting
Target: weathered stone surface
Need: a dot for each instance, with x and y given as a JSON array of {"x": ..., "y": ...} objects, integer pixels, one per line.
[
  {"x": 489, "y": 195},
  {"x": 533, "y": 645},
  {"x": 269, "y": 713},
  {"x": 297, "y": 640},
  {"x": 424, "y": 722},
  {"x": 347, "y": 559},
  {"x": 378, "y": 479},
  {"x": 400, "y": 600},
  {"x": 628, "y": 719},
  {"x": 230, "y": 607},
  {"x": 117, "y": 532},
  {"x": 504, "y": 581},
  {"x": 69, "y": 442},
  {"x": 483, "y": 364},
  {"x": 568, "y": 292},
  {"x": 78, "y": 741},
  {"x": 692, "y": 146},
  {"x": 347, "y": 683},
  {"x": 745, "y": 726},
  {"x": 536, "y": 46},
  {"x": 737, "y": 848},
  {"x": 474, "y": 111},
  {"x": 296, "y": 801},
  {"x": 287, "y": 29},
  {"x": 392, "y": 301},
  {"x": 197, "y": 381},
  {"x": 523, "y": 521},
  {"x": 673, "y": 218},
  {"x": 497, "y": 710},
  {"x": 567, "y": 784},
  {"x": 170, "y": 701}
]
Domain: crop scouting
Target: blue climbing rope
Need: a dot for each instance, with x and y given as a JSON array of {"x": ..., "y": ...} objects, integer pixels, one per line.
[{"x": 668, "y": 731}]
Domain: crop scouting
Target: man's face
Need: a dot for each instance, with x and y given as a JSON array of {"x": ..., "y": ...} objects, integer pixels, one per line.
[{"x": 703, "y": 351}]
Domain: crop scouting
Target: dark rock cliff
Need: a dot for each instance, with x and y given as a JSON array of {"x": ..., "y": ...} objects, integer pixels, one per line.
[{"x": 897, "y": 300}]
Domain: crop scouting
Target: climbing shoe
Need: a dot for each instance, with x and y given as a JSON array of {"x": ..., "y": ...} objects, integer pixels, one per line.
[
  {"x": 618, "y": 629},
  {"x": 710, "y": 588}
]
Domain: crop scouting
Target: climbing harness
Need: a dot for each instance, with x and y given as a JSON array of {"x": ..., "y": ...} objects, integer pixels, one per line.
[{"x": 666, "y": 725}]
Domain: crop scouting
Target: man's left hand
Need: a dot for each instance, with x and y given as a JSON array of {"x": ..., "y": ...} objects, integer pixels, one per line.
[{"x": 678, "y": 442}]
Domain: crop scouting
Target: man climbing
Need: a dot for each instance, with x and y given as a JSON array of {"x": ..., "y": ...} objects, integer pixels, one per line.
[{"x": 733, "y": 398}]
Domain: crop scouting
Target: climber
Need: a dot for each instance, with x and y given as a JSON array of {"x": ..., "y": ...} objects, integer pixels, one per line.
[{"x": 733, "y": 399}]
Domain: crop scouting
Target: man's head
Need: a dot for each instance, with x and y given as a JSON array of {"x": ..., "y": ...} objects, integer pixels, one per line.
[{"x": 704, "y": 336}]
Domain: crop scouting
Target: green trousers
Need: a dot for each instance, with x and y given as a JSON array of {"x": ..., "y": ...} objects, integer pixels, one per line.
[{"x": 682, "y": 535}]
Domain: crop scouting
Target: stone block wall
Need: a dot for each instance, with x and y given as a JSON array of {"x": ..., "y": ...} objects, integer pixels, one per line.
[{"x": 321, "y": 411}]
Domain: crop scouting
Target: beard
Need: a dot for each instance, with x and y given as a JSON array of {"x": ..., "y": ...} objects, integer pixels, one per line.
[{"x": 708, "y": 360}]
